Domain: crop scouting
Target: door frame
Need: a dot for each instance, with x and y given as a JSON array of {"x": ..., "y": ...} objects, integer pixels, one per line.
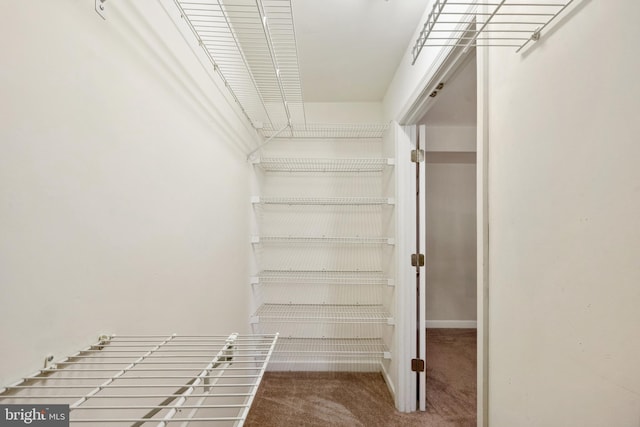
[{"x": 454, "y": 59}]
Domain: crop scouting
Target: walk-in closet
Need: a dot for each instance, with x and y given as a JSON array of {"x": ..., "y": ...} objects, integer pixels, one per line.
[{"x": 302, "y": 212}]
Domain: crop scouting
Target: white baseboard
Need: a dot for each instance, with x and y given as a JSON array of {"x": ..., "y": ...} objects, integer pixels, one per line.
[
  {"x": 387, "y": 379},
  {"x": 461, "y": 324}
]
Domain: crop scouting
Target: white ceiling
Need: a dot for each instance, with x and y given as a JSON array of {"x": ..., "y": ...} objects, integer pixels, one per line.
[{"x": 349, "y": 49}]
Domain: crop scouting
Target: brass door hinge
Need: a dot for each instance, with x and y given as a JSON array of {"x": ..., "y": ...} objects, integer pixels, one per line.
[
  {"x": 417, "y": 260},
  {"x": 417, "y": 156},
  {"x": 417, "y": 365}
]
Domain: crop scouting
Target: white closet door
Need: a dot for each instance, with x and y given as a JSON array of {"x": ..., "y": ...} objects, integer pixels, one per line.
[
  {"x": 421, "y": 217},
  {"x": 411, "y": 241}
]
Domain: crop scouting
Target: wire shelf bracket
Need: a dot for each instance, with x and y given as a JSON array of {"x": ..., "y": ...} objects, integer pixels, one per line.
[{"x": 500, "y": 23}]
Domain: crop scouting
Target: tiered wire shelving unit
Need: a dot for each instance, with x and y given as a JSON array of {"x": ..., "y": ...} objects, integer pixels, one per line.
[
  {"x": 323, "y": 276},
  {"x": 153, "y": 380}
]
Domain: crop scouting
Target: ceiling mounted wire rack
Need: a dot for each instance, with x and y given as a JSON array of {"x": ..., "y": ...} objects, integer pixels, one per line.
[
  {"x": 499, "y": 23},
  {"x": 252, "y": 45}
]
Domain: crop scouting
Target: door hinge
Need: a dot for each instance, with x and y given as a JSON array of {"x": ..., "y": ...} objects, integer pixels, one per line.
[
  {"x": 417, "y": 365},
  {"x": 417, "y": 156},
  {"x": 417, "y": 260}
]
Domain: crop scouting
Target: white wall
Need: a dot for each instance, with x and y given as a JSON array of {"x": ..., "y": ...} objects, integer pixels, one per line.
[
  {"x": 450, "y": 139},
  {"x": 451, "y": 203},
  {"x": 451, "y": 225},
  {"x": 408, "y": 79},
  {"x": 451, "y": 240},
  {"x": 344, "y": 112},
  {"x": 123, "y": 189},
  {"x": 564, "y": 212},
  {"x": 407, "y": 96}
]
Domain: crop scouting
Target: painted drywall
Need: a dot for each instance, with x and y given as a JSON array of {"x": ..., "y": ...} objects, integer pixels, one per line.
[
  {"x": 451, "y": 240},
  {"x": 450, "y": 169},
  {"x": 452, "y": 139},
  {"x": 451, "y": 203},
  {"x": 411, "y": 78},
  {"x": 330, "y": 34},
  {"x": 123, "y": 187},
  {"x": 424, "y": 76},
  {"x": 344, "y": 112},
  {"x": 564, "y": 218},
  {"x": 455, "y": 104}
]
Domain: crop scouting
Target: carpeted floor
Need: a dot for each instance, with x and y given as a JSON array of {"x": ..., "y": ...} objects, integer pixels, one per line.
[{"x": 315, "y": 399}]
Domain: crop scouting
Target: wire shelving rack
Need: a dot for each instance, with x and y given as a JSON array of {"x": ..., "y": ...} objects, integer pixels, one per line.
[
  {"x": 322, "y": 277},
  {"x": 323, "y": 201},
  {"x": 326, "y": 130},
  {"x": 482, "y": 23},
  {"x": 325, "y": 313},
  {"x": 341, "y": 240},
  {"x": 353, "y": 165},
  {"x": 252, "y": 44},
  {"x": 159, "y": 379}
]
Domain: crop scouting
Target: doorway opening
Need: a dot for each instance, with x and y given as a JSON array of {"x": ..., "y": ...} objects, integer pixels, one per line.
[{"x": 447, "y": 129}]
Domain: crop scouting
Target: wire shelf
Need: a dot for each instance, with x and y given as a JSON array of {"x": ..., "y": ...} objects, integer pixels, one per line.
[
  {"x": 322, "y": 201},
  {"x": 131, "y": 380},
  {"x": 288, "y": 164},
  {"x": 345, "y": 347},
  {"x": 329, "y": 313},
  {"x": 334, "y": 354},
  {"x": 252, "y": 45},
  {"x": 326, "y": 130},
  {"x": 357, "y": 240},
  {"x": 322, "y": 277},
  {"x": 499, "y": 23}
]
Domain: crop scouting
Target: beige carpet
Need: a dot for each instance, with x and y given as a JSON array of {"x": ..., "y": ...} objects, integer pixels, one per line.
[{"x": 363, "y": 399}]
